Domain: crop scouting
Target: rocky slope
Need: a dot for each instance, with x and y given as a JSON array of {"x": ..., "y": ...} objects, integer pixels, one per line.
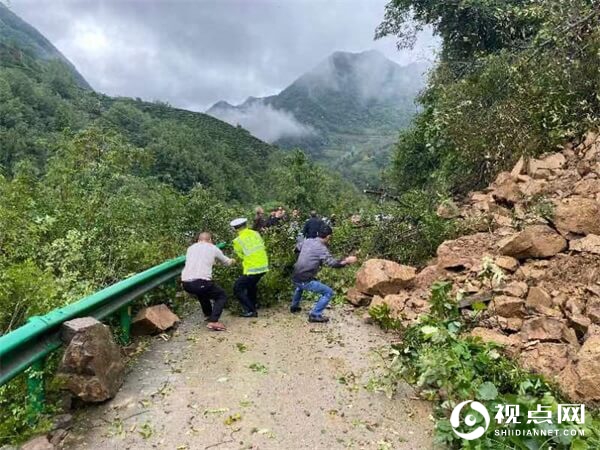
[{"x": 536, "y": 234}]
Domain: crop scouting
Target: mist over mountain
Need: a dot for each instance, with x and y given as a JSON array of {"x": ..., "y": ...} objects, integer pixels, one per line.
[
  {"x": 346, "y": 111},
  {"x": 15, "y": 33}
]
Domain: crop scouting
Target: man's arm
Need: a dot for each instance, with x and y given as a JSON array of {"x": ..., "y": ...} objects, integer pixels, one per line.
[
  {"x": 220, "y": 256},
  {"x": 327, "y": 259}
]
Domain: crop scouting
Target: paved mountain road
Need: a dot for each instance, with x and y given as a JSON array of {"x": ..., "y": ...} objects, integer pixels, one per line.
[{"x": 276, "y": 382}]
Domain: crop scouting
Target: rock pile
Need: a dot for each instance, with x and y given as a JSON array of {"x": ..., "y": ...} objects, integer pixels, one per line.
[{"x": 538, "y": 227}]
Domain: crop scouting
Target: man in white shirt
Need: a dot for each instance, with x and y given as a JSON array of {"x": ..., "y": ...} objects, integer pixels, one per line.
[{"x": 197, "y": 278}]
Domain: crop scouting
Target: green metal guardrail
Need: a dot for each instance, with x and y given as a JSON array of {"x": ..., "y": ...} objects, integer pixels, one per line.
[{"x": 28, "y": 345}]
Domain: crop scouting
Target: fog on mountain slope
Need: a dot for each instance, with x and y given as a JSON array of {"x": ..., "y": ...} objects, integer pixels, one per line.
[
  {"x": 346, "y": 111},
  {"x": 263, "y": 121}
]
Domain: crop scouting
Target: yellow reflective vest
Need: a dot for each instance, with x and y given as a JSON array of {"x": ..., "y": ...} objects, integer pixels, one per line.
[{"x": 250, "y": 248}]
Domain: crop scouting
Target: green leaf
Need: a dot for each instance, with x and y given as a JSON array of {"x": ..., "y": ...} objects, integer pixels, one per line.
[{"x": 487, "y": 391}]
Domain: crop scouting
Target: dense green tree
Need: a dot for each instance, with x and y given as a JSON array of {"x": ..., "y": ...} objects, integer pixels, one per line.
[{"x": 513, "y": 78}]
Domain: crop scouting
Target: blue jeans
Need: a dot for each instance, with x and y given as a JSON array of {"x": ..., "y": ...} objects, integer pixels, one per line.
[{"x": 313, "y": 286}]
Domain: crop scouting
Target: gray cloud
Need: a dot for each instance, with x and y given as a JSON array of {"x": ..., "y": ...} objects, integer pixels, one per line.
[
  {"x": 194, "y": 53},
  {"x": 264, "y": 122}
]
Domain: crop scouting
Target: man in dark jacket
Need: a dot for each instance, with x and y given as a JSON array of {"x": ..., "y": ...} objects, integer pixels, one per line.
[
  {"x": 312, "y": 226},
  {"x": 313, "y": 254}
]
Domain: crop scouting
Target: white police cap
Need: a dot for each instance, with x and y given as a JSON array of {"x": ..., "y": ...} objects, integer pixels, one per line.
[{"x": 236, "y": 223}]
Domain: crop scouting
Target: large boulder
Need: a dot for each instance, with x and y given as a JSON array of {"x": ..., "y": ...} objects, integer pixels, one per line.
[
  {"x": 578, "y": 216},
  {"x": 92, "y": 367},
  {"x": 383, "y": 277},
  {"x": 535, "y": 241},
  {"x": 152, "y": 320}
]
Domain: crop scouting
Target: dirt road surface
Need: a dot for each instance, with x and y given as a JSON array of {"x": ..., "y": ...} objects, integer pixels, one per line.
[{"x": 276, "y": 382}]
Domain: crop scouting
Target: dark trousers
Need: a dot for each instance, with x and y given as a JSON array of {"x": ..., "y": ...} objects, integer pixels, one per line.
[
  {"x": 205, "y": 291},
  {"x": 245, "y": 289}
]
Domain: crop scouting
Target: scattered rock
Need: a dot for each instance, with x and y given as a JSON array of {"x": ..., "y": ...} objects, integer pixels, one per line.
[
  {"x": 507, "y": 263},
  {"x": 64, "y": 421},
  {"x": 512, "y": 324},
  {"x": 92, "y": 367},
  {"x": 535, "y": 241},
  {"x": 514, "y": 289},
  {"x": 506, "y": 189},
  {"x": 583, "y": 376},
  {"x": 552, "y": 162},
  {"x": 548, "y": 329},
  {"x": 508, "y": 306},
  {"x": 592, "y": 310},
  {"x": 578, "y": 216},
  {"x": 357, "y": 298},
  {"x": 429, "y": 275},
  {"x": 546, "y": 358},
  {"x": 382, "y": 277},
  {"x": 153, "y": 319},
  {"x": 511, "y": 343},
  {"x": 465, "y": 252},
  {"x": 448, "y": 210},
  {"x": 587, "y": 244},
  {"x": 518, "y": 167},
  {"x": 538, "y": 298},
  {"x": 38, "y": 443},
  {"x": 580, "y": 323}
]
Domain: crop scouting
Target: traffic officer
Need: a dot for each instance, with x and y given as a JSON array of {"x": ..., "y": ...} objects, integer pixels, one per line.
[{"x": 250, "y": 249}]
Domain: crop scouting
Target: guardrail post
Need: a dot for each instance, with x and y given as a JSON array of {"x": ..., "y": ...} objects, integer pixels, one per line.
[
  {"x": 35, "y": 389},
  {"x": 125, "y": 318}
]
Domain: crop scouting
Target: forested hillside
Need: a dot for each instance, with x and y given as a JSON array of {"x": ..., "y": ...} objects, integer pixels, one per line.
[
  {"x": 513, "y": 78},
  {"x": 16, "y": 33},
  {"x": 94, "y": 188},
  {"x": 346, "y": 112}
]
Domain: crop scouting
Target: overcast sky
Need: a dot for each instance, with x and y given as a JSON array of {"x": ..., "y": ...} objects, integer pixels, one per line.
[{"x": 194, "y": 53}]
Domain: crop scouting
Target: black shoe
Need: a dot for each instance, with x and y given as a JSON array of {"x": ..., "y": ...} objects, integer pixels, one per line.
[
  {"x": 318, "y": 319},
  {"x": 295, "y": 309},
  {"x": 249, "y": 314}
]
